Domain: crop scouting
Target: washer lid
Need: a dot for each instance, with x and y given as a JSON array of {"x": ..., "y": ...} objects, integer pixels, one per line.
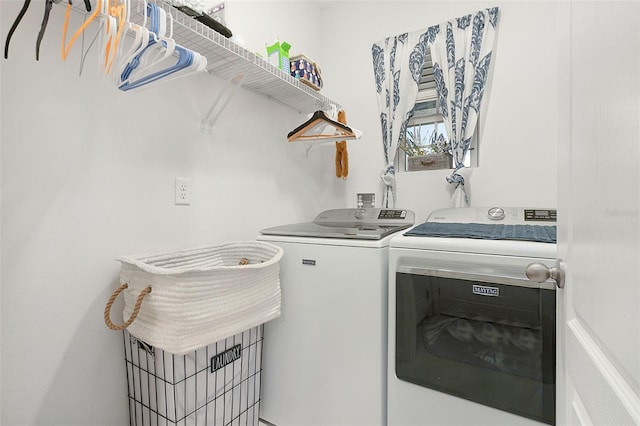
[{"x": 357, "y": 223}]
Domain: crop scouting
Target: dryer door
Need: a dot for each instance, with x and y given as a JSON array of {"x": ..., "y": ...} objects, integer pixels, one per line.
[{"x": 489, "y": 343}]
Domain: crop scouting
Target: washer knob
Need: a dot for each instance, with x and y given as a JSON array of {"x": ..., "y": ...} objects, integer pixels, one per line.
[
  {"x": 360, "y": 213},
  {"x": 496, "y": 213}
]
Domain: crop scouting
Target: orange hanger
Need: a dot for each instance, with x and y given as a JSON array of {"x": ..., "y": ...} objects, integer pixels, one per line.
[
  {"x": 119, "y": 11},
  {"x": 65, "y": 47}
]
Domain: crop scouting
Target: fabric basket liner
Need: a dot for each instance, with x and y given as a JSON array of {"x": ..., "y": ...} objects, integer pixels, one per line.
[{"x": 200, "y": 296}]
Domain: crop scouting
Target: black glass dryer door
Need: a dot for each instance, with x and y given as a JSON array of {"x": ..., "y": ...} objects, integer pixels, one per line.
[{"x": 489, "y": 343}]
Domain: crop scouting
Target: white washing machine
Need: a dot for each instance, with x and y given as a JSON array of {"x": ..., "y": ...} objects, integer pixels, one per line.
[
  {"x": 471, "y": 337},
  {"x": 324, "y": 359}
]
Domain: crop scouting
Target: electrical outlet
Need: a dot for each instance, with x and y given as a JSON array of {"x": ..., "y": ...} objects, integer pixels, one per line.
[{"x": 183, "y": 191}]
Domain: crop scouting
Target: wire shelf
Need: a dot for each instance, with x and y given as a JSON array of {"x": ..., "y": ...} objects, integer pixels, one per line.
[{"x": 233, "y": 63}]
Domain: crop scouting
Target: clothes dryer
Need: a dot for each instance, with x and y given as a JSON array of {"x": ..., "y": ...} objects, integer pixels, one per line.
[{"x": 471, "y": 338}]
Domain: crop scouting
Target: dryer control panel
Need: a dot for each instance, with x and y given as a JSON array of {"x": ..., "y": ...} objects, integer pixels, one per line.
[
  {"x": 541, "y": 215},
  {"x": 506, "y": 215}
]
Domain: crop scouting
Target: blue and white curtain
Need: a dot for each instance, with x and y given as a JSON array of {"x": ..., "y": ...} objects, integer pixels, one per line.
[
  {"x": 461, "y": 51},
  {"x": 397, "y": 64}
]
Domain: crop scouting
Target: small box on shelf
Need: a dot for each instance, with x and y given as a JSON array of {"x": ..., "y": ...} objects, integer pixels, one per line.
[
  {"x": 278, "y": 54},
  {"x": 306, "y": 71}
]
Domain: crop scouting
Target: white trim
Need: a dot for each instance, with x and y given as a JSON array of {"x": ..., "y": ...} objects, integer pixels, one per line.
[
  {"x": 618, "y": 385},
  {"x": 580, "y": 412}
]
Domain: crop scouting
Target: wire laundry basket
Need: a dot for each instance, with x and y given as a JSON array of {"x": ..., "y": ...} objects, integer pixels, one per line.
[{"x": 215, "y": 385}]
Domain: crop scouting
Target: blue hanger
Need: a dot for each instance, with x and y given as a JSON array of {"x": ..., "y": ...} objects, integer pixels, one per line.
[
  {"x": 135, "y": 62},
  {"x": 185, "y": 60},
  {"x": 186, "y": 57},
  {"x": 155, "y": 35}
]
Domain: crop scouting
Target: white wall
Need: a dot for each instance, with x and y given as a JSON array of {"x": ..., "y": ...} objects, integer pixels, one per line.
[
  {"x": 517, "y": 155},
  {"x": 87, "y": 174}
]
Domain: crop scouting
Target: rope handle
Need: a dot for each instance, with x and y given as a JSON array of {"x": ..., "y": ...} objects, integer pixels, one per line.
[{"x": 136, "y": 308}]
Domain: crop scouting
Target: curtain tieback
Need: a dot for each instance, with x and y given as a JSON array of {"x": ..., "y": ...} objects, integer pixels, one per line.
[
  {"x": 388, "y": 175},
  {"x": 456, "y": 179},
  {"x": 459, "y": 197}
]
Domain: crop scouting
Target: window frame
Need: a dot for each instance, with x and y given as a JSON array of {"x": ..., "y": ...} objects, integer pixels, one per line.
[{"x": 427, "y": 93}]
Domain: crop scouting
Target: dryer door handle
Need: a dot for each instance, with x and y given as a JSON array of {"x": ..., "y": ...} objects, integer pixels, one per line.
[{"x": 540, "y": 273}]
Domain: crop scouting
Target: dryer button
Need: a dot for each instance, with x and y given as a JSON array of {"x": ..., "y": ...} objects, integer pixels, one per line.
[{"x": 496, "y": 213}]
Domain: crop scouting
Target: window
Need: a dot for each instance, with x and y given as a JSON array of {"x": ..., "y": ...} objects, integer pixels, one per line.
[{"x": 425, "y": 146}]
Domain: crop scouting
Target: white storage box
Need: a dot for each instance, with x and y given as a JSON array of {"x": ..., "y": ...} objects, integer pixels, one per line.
[
  {"x": 215, "y": 385},
  {"x": 184, "y": 300}
]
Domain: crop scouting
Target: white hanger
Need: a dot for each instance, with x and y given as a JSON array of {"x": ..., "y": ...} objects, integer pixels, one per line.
[
  {"x": 157, "y": 61},
  {"x": 109, "y": 34},
  {"x": 188, "y": 63},
  {"x": 120, "y": 12},
  {"x": 166, "y": 44},
  {"x": 140, "y": 40},
  {"x": 156, "y": 49}
]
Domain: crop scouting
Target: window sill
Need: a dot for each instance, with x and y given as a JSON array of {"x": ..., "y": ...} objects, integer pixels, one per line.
[{"x": 437, "y": 161}]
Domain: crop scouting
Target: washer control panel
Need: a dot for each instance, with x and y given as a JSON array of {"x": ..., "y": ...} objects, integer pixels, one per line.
[
  {"x": 359, "y": 216},
  {"x": 363, "y": 213},
  {"x": 392, "y": 214}
]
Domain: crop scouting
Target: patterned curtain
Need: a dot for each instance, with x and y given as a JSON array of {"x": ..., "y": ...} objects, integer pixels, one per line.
[
  {"x": 397, "y": 64},
  {"x": 461, "y": 53}
]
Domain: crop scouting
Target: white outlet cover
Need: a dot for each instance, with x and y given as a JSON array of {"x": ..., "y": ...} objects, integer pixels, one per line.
[{"x": 183, "y": 191}]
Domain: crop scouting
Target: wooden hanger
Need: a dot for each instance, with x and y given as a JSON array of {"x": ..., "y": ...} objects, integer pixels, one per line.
[{"x": 319, "y": 118}]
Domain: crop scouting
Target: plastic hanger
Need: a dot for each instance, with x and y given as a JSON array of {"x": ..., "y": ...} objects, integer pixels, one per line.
[
  {"x": 198, "y": 64},
  {"x": 119, "y": 11},
  {"x": 65, "y": 47},
  {"x": 151, "y": 65},
  {"x": 157, "y": 49},
  {"x": 313, "y": 129},
  {"x": 45, "y": 20},
  {"x": 110, "y": 31},
  {"x": 48, "y": 5},
  {"x": 166, "y": 46},
  {"x": 15, "y": 24},
  {"x": 138, "y": 42},
  {"x": 151, "y": 57},
  {"x": 185, "y": 58},
  {"x": 188, "y": 63},
  {"x": 154, "y": 52}
]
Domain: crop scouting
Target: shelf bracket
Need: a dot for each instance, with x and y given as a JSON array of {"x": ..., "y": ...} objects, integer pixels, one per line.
[
  {"x": 307, "y": 150},
  {"x": 232, "y": 84}
]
